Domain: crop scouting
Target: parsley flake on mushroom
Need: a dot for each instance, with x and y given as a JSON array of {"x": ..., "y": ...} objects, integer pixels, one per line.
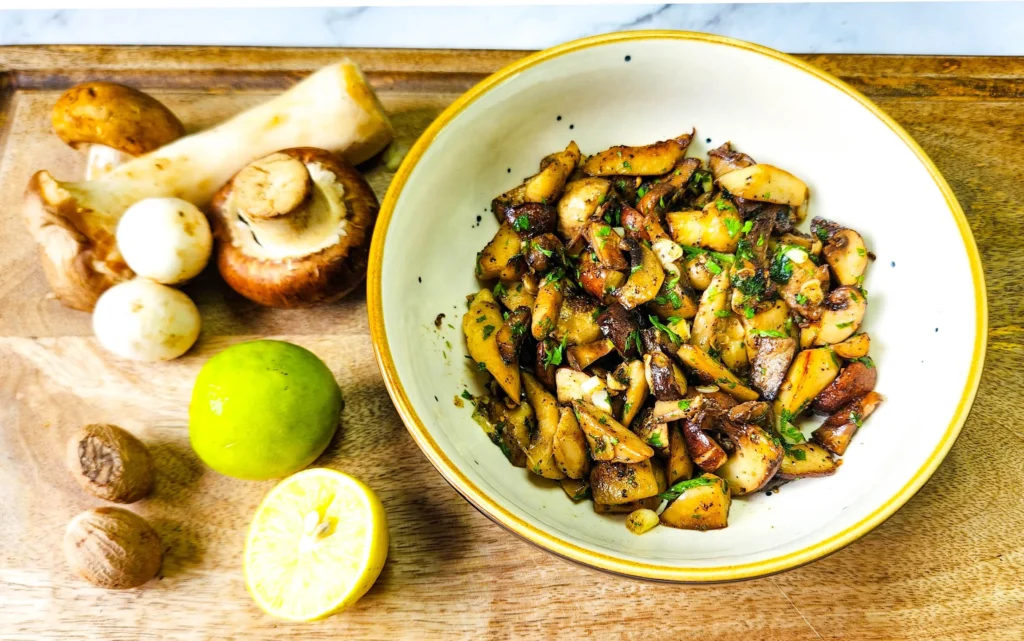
[{"x": 293, "y": 228}]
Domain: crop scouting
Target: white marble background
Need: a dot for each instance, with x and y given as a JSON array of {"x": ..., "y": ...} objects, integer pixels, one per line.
[{"x": 956, "y": 28}]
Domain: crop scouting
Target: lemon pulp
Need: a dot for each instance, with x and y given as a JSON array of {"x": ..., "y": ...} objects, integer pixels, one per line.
[{"x": 317, "y": 543}]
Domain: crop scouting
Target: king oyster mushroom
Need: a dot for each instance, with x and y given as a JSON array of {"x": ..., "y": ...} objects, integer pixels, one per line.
[
  {"x": 293, "y": 228},
  {"x": 73, "y": 223},
  {"x": 112, "y": 123}
]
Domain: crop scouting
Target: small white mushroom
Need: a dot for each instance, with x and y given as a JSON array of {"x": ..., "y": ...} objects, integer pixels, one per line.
[
  {"x": 145, "y": 321},
  {"x": 165, "y": 239}
]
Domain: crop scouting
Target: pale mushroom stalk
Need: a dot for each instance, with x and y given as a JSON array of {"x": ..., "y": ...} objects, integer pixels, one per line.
[{"x": 74, "y": 222}]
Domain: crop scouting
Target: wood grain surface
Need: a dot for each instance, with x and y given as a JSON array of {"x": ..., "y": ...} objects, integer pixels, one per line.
[{"x": 949, "y": 565}]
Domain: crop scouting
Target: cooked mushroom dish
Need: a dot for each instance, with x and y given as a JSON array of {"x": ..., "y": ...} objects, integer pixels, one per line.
[{"x": 654, "y": 329}]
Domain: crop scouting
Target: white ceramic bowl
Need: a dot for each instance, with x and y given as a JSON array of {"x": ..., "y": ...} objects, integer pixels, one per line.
[{"x": 927, "y": 314}]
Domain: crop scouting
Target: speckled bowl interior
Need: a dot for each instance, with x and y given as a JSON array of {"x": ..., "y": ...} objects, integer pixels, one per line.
[{"x": 926, "y": 301}]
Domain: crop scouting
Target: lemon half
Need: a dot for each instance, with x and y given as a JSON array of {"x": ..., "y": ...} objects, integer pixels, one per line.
[{"x": 317, "y": 543}]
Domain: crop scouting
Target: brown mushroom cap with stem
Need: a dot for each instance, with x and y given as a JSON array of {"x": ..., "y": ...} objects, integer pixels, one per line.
[
  {"x": 293, "y": 229},
  {"x": 113, "y": 123}
]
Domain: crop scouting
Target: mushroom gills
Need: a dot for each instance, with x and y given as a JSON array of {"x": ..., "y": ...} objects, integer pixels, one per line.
[{"x": 313, "y": 201}]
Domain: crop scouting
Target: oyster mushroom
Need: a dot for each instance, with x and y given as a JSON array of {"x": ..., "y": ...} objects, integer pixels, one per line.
[
  {"x": 293, "y": 228},
  {"x": 112, "y": 123},
  {"x": 73, "y": 223}
]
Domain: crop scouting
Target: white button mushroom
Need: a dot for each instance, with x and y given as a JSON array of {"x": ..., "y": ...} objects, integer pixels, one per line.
[
  {"x": 145, "y": 321},
  {"x": 165, "y": 239}
]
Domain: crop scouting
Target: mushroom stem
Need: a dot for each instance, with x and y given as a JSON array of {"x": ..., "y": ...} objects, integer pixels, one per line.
[
  {"x": 291, "y": 208},
  {"x": 102, "y": 159}
]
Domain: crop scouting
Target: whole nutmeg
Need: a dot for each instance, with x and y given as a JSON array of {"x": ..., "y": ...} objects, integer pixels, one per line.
[
  {"x": 112, "y": 548},
  {"x": 110, "y": 463}
]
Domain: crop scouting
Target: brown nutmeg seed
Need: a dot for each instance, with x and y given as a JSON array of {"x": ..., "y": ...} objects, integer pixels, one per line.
[
  {"x": 112, "y": 548},
  {"x": 110, "y": 463}
]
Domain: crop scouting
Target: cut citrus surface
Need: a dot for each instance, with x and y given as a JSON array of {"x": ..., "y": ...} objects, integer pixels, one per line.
[{"x": 316, "y": 544}]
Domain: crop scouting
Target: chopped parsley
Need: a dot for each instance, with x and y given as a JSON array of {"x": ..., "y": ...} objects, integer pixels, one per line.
[
  {"x": 635, "y": 268},
  {"x": 733, "y": 226},
  {"x": 866, "y": 360},
  {"x": 634, "y": 336},
  {"x": 822, "y": 234},
  {"x": 723, "y": 313},
  {"x": 554, "y": 275},
  {"x": 466, "y": 395},
  {"x": 602, "y": 231},
  {"x": 481, "y": 319},
  {"x": 781, "y": 268},
  {"x": 713, "y": 267},
  {"x": 546, "y": 252},
  {"x": 743, "y": 249},
  {"x": 856, "y": 419},
  {"x": 625, "y": 163},
  {"x": 684, "y": 404},
  {"x": 499, "y": 289},
  {"x": 753, "y": 285},
  {"x": 799, "y": 455},
  {"x": 640, "y": 192},
  {"x": 844, "y": 325},
  {"x": 788, "y": 431},
  {"x": 747, "y": 226},
  {"x": 481, "y": 366},
  {"x": 676, "y": 490},
  {"x": 661, "y": 326},
  {"x": 772, "y": 333},
  {"x": 748, "y": 312},
  {"x": 661, "y": 202},
  {"x": 488, "y": 330},
  {"x": 692, "y": 251},
  {"x": 801, "y": 299},
  {"x": 655, "y": 440},
  {"x": 522, "y": 223},
  {"x": 554, "y": 356},
  {"x": 861, "y": 251}
]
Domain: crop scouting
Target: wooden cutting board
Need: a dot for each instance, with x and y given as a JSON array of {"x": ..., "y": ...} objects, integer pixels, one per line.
[{"x": 948, "y": 565}]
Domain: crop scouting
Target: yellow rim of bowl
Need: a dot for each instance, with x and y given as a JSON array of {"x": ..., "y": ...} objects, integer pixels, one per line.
[{"x": 598, "y": 560}]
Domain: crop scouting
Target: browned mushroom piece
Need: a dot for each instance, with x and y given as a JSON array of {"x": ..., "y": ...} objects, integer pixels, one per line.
[
  {"x": 293, "y": 228},
  {"x": 664, "y": 377},
  {"x": 704, "y": 450},
  {"x": 723, "y": 160},
  {"x": 855, "y": 380},
  {"x": 621, "y": 326},
  {"x": 112, "y": 123}
]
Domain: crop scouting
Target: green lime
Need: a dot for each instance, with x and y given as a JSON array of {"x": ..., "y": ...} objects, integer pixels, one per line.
[{"x": 263, "y": 410}]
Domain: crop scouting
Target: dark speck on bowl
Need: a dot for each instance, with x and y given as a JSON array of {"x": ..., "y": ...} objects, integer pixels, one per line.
[
  {"x": 708, "y": 141},
  {"x": 628, "y": 58},
  {"x": 571, "y": 126},
  {"x": 893, "y": 263},
  {"x": 558, "y": 118},
  {"x": 510, "y": 170}
]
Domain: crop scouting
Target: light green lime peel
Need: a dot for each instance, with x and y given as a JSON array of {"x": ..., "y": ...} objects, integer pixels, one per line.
[{"x": 263, "y": 410}]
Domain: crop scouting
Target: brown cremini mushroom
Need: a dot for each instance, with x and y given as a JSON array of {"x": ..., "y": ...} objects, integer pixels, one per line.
[
  {"x": 74, "y": 223},
  {"x": 293, "y": 229},
  {"x": 113, "y": 124}
]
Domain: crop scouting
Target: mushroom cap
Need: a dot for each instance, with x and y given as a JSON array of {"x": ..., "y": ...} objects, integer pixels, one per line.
[
  {"x": 77, "y": 245},
  {"x": 120, "y": 117},
  {"x": 320, "y": 277}
]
